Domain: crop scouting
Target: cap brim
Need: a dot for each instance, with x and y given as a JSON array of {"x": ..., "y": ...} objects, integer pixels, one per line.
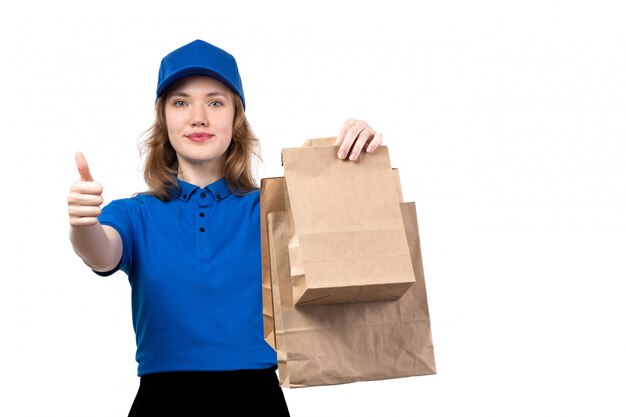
[{"x": 189, "y": 71}]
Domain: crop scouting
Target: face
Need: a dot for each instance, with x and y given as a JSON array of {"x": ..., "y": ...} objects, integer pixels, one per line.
[{"x": 199, "y": 113}]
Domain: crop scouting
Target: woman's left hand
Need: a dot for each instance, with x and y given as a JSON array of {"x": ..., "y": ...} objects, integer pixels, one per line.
[{"x": 356, "y": 136}]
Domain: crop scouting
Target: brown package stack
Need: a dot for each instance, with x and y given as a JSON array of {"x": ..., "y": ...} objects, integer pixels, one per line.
[{"x": 341, "y": 342}]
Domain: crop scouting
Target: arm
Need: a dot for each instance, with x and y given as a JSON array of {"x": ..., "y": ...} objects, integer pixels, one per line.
[{"x": 100, "y": 247}]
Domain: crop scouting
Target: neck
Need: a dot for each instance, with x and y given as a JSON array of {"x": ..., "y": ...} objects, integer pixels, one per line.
[{"x": 200, "y": 175}]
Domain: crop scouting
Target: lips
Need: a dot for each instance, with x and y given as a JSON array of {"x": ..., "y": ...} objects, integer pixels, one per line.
[{"x": 199, "y": 136}]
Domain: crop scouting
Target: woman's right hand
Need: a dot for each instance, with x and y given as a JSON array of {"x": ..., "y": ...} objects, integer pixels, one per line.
[
  {"x": 99, "y": 246},
  {"x": 85, "y": 199}
]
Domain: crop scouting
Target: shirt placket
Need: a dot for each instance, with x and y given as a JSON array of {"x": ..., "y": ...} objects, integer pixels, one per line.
[{"x": 204, "y": 202}]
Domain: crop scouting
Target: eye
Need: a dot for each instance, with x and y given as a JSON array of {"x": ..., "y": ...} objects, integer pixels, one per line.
[
  {"x": 215, "y": 103},
  {"x": 179, "y": 103}
]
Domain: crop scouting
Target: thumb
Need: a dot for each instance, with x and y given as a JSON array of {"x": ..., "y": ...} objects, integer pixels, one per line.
[{"x": 83, "y": 168}]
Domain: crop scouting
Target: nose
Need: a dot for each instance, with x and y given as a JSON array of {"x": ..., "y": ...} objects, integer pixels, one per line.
[{"x": 199, "y": 116}]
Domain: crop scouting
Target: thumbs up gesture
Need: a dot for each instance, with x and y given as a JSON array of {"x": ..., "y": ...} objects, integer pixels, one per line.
[{"x": 85, "y": 196}]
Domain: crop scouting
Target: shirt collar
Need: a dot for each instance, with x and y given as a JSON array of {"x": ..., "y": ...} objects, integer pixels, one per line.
[{"x": 218, "y": 189}]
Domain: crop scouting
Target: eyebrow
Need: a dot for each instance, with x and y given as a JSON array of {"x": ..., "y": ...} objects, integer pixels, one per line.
[{"x": 185, "y": 95}]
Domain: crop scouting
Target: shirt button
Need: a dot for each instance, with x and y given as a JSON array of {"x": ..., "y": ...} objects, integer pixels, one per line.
[
  {"x": 203, "y": 195},
  {"x": 201, "y": 214},
  {"x": 202, "y": 229},
  {"x": 218, "y": 196},
  {"x": 185, "y": 196}
]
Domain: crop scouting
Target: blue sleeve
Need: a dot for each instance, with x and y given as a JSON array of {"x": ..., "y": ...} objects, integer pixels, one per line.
[{"x": 119, "y": 214}]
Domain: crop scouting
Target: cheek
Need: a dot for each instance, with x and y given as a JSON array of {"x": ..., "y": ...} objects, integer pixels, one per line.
[
  {"x": 172, "y": 121},
  {"x": 228, "y": 132},
  {"x": 228, "y": 142},
  {"x": 227, "y": 125},
  {"x": 171, "y": 135}
]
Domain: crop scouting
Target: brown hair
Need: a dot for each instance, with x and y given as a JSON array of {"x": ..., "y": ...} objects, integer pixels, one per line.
[{"x": 161, "y": 163}]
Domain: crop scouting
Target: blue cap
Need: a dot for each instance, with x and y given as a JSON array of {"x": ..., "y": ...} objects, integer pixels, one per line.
[{"x": 200, "y": 58}]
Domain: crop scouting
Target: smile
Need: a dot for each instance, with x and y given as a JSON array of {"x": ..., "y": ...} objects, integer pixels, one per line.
[{"x": 199, "y": 137}]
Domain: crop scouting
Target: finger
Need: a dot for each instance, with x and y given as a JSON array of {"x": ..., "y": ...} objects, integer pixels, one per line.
[
  {"x": 81, "y": 199},
  {"x": 84, "y": 215},
  {"x": 83, "y": 221},
  {"x": 360, "y": 143},
  {"x": 350, "y": 136},
  {"x": 93, "y": 188},
  {"x": 83, "y": 168},
  {"x": 342, "y": 133},
  {"x": 375, "y": 143},
  {"x": 84, "y": 211}
]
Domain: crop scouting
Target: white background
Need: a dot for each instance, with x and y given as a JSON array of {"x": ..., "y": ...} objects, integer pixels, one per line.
[{"x": 505, "y": 119}]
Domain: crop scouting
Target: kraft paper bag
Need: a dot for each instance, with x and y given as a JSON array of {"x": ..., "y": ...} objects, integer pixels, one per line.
[
  {"x": 343, "y": 343},
  {"x": 272, "y": 199},
  {"x": 346, "y": 238}
]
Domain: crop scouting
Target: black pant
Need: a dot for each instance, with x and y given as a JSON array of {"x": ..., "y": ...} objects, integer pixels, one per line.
[{"x": 203, "y": 394}]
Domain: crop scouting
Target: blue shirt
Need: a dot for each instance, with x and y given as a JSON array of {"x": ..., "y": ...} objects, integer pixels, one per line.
[{"x": 194, "y": 266}]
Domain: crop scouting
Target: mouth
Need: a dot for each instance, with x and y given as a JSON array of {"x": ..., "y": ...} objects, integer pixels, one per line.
[{"x": 199, "y": 137}]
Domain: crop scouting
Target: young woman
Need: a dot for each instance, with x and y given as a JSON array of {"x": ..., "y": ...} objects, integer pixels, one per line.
[{"x": 190, "y": 245}]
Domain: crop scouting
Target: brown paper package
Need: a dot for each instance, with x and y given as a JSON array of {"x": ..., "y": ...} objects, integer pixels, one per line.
[
  {"x": 341, "y": 343},
  {"x": 345, "y": 233}
]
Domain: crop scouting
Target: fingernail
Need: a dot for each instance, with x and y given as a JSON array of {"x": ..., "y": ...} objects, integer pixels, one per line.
[
  {"x": 353, "y": 156},
  {"x": 370, "y": 148},
  {"x": 342, "y": 154}
]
